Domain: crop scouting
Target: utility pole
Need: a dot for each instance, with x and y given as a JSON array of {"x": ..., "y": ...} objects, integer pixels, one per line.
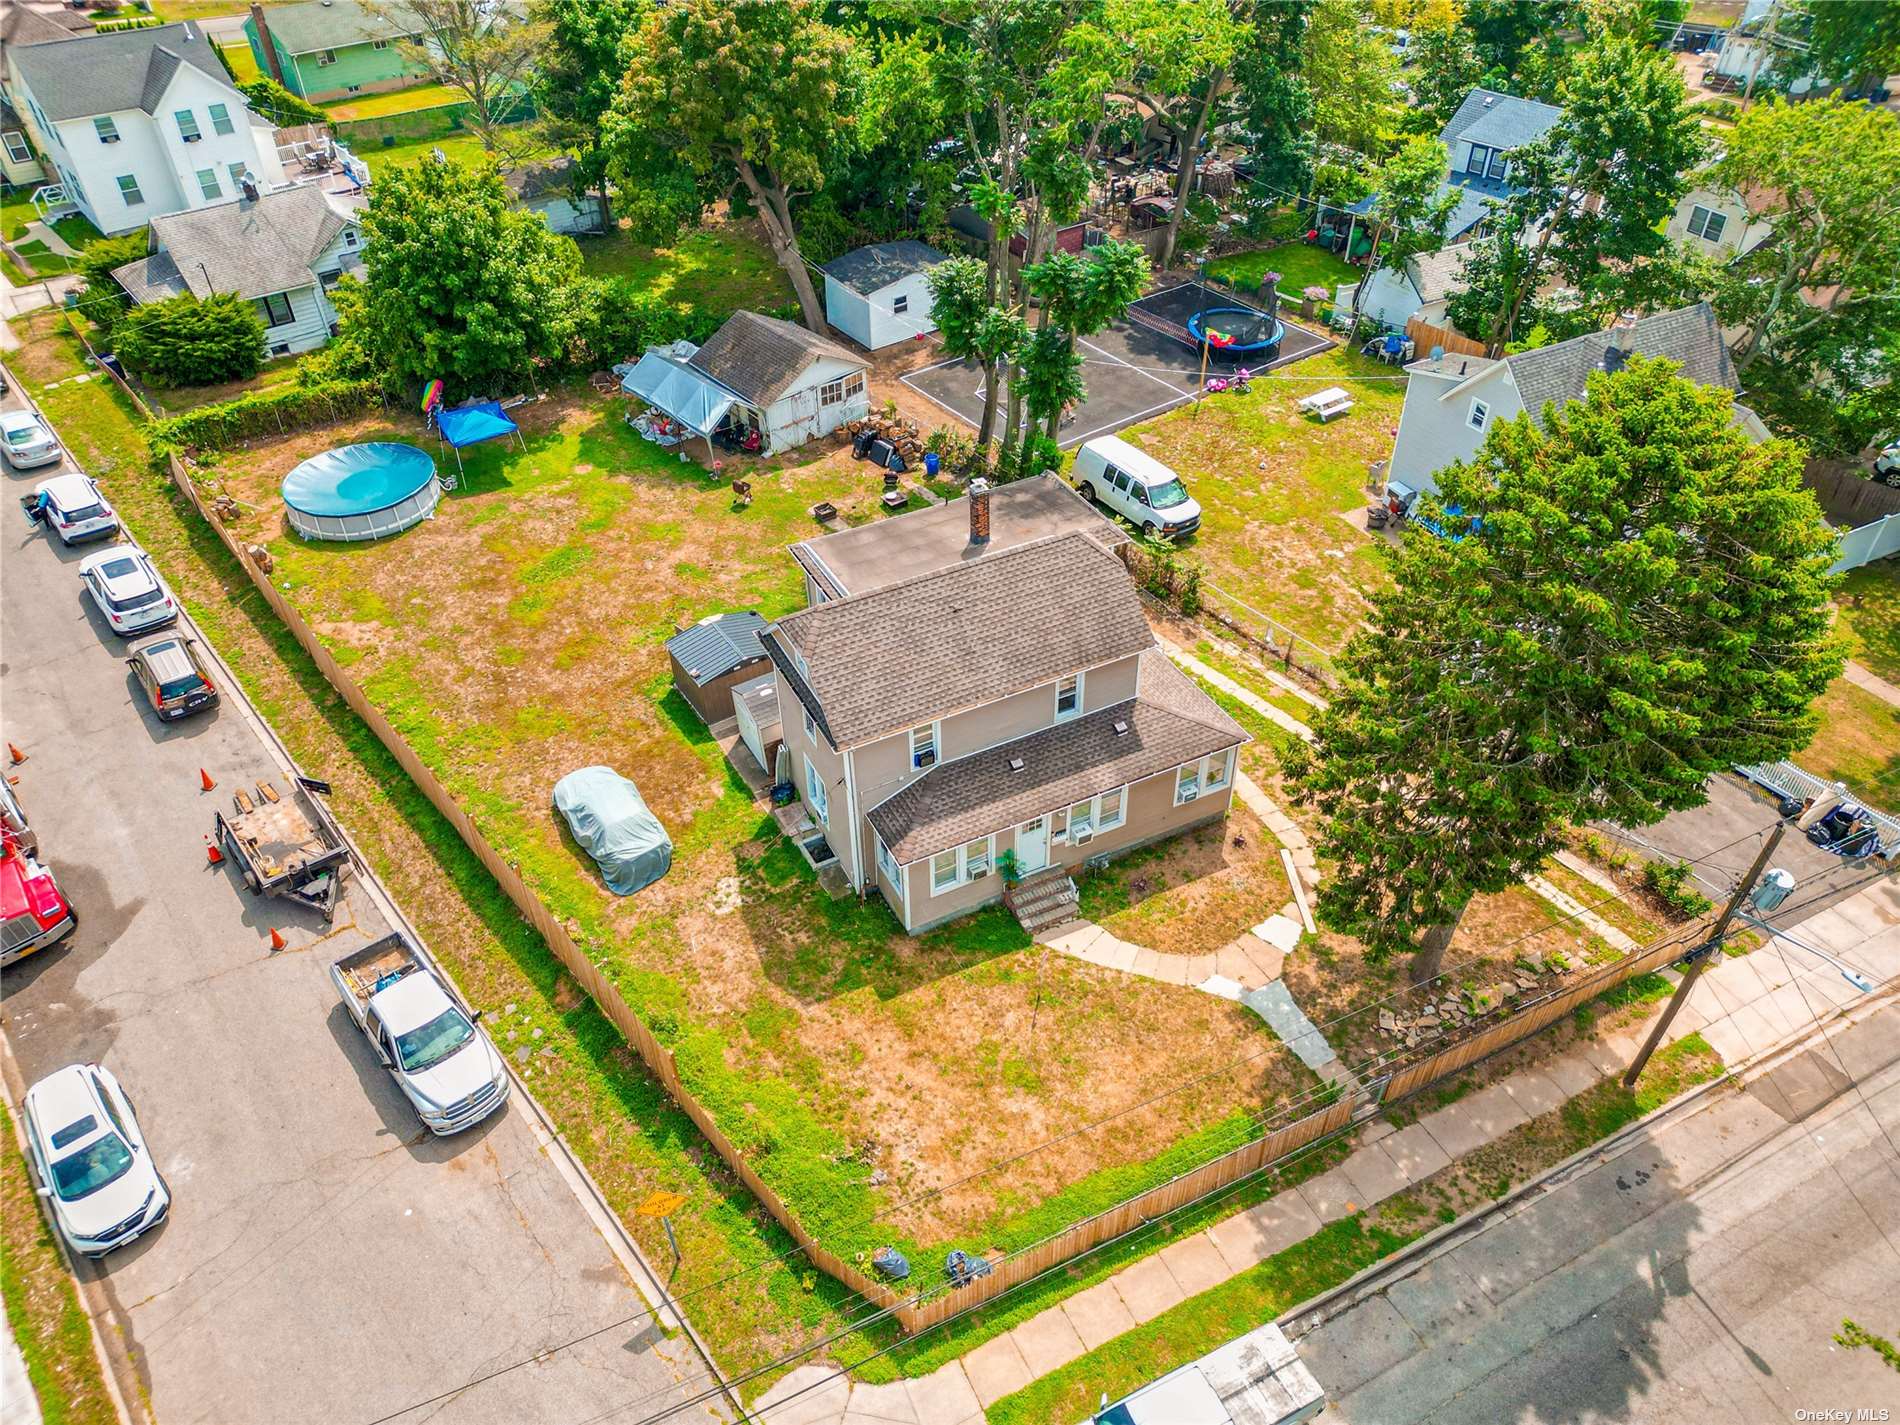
[{"x": 1702, "y": 954}]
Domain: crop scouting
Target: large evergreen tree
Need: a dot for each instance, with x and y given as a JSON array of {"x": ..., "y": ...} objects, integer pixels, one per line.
[{"x": 1644, "y": 603}]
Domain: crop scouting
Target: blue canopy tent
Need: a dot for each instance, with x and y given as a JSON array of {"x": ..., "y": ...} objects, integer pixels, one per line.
[{"x": 474, "y": 423}]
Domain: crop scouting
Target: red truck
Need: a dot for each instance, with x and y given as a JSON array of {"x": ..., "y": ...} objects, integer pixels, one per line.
[{"x": 33, "y": 911}]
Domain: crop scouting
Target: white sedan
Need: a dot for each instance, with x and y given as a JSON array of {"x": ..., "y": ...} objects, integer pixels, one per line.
[
  {"x": 90, "y": 1160},
  {"x": 126, "y": 588},
  {"x": 72, "y": 508},
  {"x": 27, "y": 441}
]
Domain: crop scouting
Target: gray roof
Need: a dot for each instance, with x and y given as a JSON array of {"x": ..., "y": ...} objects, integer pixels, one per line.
[
  {"x": 870, "y": 270},
  {"x": 757, "y": 358},
  {"x": 250, "y": 248},
  {"x": 856, "y": 561},
  {"x": 541, "y": 177},
  {"x": 1436, "y": 275},
  {"x": 715, "y": 647},
  {"x": 114, "y": 73},
  {"x": 1168, "y": 723},
  {"x": 1499, "y": 120},
  {"x": 152, "y": 278},
  {"x": 1689, "y": 336},
  {"x": 321, "y": 25},
  {"x": 912, "y": 652}
]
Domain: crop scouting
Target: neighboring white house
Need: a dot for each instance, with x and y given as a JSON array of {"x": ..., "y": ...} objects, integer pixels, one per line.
[
  {"x": 282, "y": 250},
  {"x": 547, "y": 188},
  {"x": 755, "y": 374},
  {"x": 1451, "y": 402},
  {"x": 880, "y": 295},
  {"x": 140, "y": 123},
  {"x": 1421, "y": 289},
  {"x": 1715, "y": 222}
]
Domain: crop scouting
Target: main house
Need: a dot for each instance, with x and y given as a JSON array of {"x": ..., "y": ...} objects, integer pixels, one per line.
[
  {"x": 325, "y": 49},
  {"x": 1479, "y": 141},
  {"x": 140, "y": 123},
  {"x": 978, "y": 681},
  {"x": 1452, "y": 401},
  {"x": 281, "y": 250}
]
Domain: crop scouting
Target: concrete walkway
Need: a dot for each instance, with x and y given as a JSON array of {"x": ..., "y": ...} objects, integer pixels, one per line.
[
  {"x": 1244, "y": 696},
  {"x": 1861, "y": 676},
  {"x": 1741, "y": 1007}
]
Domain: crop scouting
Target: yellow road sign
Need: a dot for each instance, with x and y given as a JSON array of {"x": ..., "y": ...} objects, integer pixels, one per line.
[{"x": 662, "y": 1204}]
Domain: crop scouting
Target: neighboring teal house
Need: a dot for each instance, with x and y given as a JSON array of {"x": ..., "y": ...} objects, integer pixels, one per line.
[{"x": 326, "y": 49}]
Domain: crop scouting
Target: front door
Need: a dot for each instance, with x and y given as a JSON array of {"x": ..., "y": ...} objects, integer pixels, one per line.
[{"x": 1032, "y": 845}]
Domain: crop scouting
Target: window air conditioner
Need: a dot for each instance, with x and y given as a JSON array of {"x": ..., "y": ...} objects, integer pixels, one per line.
[{"x": 1082, "y": 838}]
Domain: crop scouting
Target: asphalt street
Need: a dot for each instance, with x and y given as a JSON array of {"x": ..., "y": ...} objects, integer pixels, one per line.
[
  {"x": 326, "y": 1259},
  {"x": 1699, "y": 1275}
]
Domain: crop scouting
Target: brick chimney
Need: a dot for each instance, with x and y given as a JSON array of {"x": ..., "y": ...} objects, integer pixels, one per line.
[
  {"x": 264, "y": 40},
  {"x": 1622, "y": 341},
  {"x": 979, "y": 511}
]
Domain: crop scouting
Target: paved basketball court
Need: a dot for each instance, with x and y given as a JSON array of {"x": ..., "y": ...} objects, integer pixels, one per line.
[{"x": 1129, "y": 372}]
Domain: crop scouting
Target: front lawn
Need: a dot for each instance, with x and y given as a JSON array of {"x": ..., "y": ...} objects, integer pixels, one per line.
[
  {"x": 719, "y": 269},
  {"x": 1300, "y": 265},
  {"x": 1275, "y": 488},
  {"x": 1859, "y": 744},
  {"x": 392, "y": 101},
  {"x": 1869, "y": 604}
]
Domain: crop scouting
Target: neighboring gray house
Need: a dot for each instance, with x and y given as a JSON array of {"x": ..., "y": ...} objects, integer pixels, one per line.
[
  {"x": 547, "y": 188},
  {"x": 979, "y": 679},
  {"x": 282, "y": 250},
  {"x": 1451, "y": 402},
  {"x": 880, "y": 295},
  {"x": 1420, "y": 289}
]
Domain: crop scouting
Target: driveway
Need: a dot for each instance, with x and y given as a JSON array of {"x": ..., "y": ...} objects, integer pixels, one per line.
[{"x": 326, "y": 1259}]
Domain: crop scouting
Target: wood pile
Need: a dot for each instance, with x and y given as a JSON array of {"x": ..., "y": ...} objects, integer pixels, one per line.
[{"x": 904, "y": 437}]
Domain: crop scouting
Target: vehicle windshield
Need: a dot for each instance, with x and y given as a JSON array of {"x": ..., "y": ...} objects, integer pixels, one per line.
[
  {"x": 102, "y": 1161},
  {"x": 178, "y": 687},
  {"x": 1166, "y": 497},
  {"x": 84, "y": 512},
  {"x": 22, "y": 435},
  {"x": 135, "y": 601},
  {"x": 428, "y": 1046}
]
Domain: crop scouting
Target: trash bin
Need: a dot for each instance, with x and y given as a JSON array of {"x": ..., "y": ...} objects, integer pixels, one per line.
[{"x": 931, "y": 464}]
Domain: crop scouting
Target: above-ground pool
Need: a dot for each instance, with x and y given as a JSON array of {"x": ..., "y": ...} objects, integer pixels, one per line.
[
  {"x": 361, "y": 491},
  {"x": 1252, "y": 332}
]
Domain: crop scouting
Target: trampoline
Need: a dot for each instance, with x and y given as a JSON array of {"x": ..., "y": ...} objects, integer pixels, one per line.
[
  {"x": 1248, "y": 332},
  {"x": 1188, "y": 311},
  {"x": 361, "y": 491}
]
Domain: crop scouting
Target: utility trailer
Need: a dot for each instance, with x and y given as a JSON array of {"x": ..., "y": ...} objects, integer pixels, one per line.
[{"x": 286, "y": 846}]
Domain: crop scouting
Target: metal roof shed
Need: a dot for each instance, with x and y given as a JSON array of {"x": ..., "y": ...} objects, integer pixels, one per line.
[{"x": 713, "y": 657}]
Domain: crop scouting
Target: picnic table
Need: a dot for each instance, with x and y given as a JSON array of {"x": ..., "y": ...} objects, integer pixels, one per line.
[{"x": 1333, "y": 401}]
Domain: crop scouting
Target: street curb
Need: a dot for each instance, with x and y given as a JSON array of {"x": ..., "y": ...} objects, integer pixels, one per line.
[{"x": 1310, "y": 1315}]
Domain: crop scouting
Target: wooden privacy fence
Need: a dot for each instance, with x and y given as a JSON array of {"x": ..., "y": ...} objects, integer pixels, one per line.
[
  {"x": 1427, "y": 336},
  {"x": 657, "y": 1057},
  {"x": 915, "y": 1309}
]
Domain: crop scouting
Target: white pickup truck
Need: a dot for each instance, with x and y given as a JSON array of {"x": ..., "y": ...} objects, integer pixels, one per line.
[{"x": 431, "y": 1045}]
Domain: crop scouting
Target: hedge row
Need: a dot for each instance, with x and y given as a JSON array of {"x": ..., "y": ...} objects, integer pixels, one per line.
[{"x": 291, "y": 408}]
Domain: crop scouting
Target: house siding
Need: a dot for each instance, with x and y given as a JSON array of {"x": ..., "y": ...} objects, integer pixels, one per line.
[
  {"x": 359, "y": 67},
  {"x": 797, "y": 416},
  {"x": 1740, "y": 233},
  {"x": 569, "y": 215},
  {"x": 1434, "y": 432},
  {"x": 309, "y": 327},
  {"x": 1152, "y": 816},
  {"x": 869, "y": 321},
  {"x": 831, "y": 766}
]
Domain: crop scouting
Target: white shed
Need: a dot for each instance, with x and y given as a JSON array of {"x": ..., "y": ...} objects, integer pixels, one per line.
[
  {"x": 1422, "y": 289},
  {"x": 789, "y": 384},
  {"x": 547, "y": 188},
  {"x": 880, "y": 295}
]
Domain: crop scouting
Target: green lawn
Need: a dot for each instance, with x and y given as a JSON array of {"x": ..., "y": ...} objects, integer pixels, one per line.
[
  {"x": 1299, "y": 264},
  {"x": 1859, "y": 744},
  {"x": 1869, "y": 603},
  {"x": 459, "y": 148},
  {"x": 720, "y": 269},
  {"x": 243, "y": 63},
  {"x": 393, "y": 101},
  {"x": 197, "y": 9}
]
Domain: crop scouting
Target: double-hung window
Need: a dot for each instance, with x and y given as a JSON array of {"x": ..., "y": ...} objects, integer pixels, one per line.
[
  {"x": 129, "y": 190},
  {"x": 923, "y": 746},
  {"x": 943, "y": 870},
  {"x": 1111, "y": 809},
  {"x": 1210, "y": 774},
  {"x": 236, "y": 170},
  {"x": 1480, "y": 157},
  {"x": 1480, "y": 415},
  {"x": 17, "y": 148},
  {"x": 187, "y": 126},
  {"x": 816, "y": 792},
  {"x": 1705, "y": 224},
  {"x": 221, "y": 119},
  {"x": 811, "y": 724},
  {"x": 107, "y": 130},
  {"x": 961, "y": 865},
  {"x": 1081, "y": 822},
  {"x": 1068, "y": 697},
  {"x": 208, "y": 183},
  {"x": 277, "y": 310}
]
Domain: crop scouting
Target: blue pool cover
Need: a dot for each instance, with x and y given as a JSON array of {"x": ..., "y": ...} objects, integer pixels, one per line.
[{"x": 358, "y": 479}]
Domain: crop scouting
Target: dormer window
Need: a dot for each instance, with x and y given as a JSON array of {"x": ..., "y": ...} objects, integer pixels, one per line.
[
  {"x": 107, "y": 130},
  {"x": 187, "y": 126},
  {"x": 923, "y": 746},
  {"x": 1068, "y": 697}
]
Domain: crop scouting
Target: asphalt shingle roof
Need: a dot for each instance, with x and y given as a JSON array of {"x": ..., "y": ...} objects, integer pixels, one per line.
[
  {"x": 911, "y": 652},
  {"x": 869, "y": 270},
  {"x": 114, "y": 73},
  {"x": 1689, "y": 335},
  {"x": 252, "y": 248},
  {"x": 1499, "y": 120},
  {"x": 714, "y": 648},
  {"x": 1170, "y": 722},
  {"x": 757, "y": 358},
  {"x": 304, "y": 29},
  {"x": 152, "y": 278},
  {"x": 1436, "y": 275}
]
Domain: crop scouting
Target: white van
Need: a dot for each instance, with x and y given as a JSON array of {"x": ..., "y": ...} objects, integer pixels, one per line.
[{"x": 1111, "y": 472}]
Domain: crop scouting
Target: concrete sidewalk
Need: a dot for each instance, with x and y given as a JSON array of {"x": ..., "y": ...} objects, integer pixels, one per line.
[{"x": 1750, "y": 1002}]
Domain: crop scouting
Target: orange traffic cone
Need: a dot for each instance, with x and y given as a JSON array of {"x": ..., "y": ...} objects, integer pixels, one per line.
[
  {"x": 277, "y": 941},
  {"x": 15, "y": 755},
  {"x": 204, "y": 779},
  {"x": 213, "y": 856}
]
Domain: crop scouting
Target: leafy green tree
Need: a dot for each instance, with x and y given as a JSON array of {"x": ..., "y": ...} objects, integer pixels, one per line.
[
  {"x": 485, "y": 50},
  {"x": 1351, "y": 67},
  {"x": 1410, "y": 211},
  {"x": 1444, "y": 67},
  {"x": 1644, "y": 604},
  {"x": 757, "y": 93},
  {"x": 460, "y": 284},
  {"x": 272, "y": 101},
  {"x": 182, "y": 341},
  {"x": 102, "y": 299},
  {"x": 1852, "y": 42},
  {"x": 1276, "y": 99},
  {"x": 973, "y": 327},
  {"x": 1078, "y": 296},
  {"x": 351, "y": 354},
  {"x": 576, "y": 75}
]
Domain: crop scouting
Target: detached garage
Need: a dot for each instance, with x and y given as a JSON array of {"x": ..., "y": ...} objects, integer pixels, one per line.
[
  {"x": 880, "y": 295},
  {"x": 713, "y": 657}
]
